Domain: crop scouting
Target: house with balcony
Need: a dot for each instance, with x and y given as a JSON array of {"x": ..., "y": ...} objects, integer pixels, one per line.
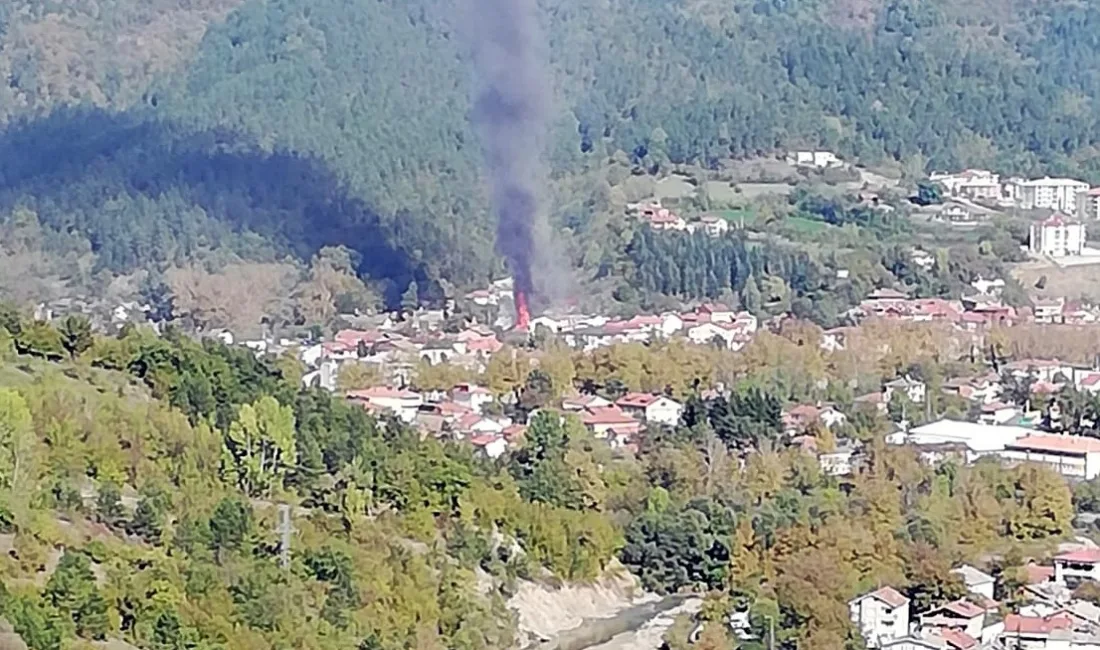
[
  {"x": 1076, "y": 565},
  {"x": 961, "y": 615},
  {"x": 1075, "y": 457},
  {"x": 880, "y": 616},
  {"x": 1057, "y": 236},
  {"x": 1051, "y": 193}
]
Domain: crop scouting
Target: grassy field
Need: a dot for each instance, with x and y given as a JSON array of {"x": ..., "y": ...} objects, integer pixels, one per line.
[
  {"x": 750, "y": 219},
  {"x": 1072, "y": 282}
]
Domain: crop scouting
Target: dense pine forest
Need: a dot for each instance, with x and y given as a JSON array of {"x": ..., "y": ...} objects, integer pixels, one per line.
[{"x": 169, "y": 132}]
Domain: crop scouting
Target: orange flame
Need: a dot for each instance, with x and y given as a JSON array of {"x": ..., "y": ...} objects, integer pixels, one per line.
[{"x": 523, "y": 312}]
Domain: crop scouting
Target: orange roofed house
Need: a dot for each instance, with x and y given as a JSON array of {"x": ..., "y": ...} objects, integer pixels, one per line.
[{"x": 611, "y": 422}]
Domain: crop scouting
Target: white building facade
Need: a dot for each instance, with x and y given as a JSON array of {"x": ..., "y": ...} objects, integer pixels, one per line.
[
  {"x": 880, "y": 616},
  {"x": 1057, "y": 236},
  {"x": 1051, "y": 193}
]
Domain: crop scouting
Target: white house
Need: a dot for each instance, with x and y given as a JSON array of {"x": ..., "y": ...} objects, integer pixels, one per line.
[
  {"x": 838, "y": 462},
  {"x": 1051, "y": 632},
  {"x": 714, "y": 226},
  {"x": 402, "y": 403},
  {"x": 820, "y": 159},
  {"x": 1057, "y": 236},
  {"x": 961, "y": 615},
  {"x": 612, "y": 423},
  {"x": 913, "y": 389},
  {"x": 1079, "y": 564},
  {"x": 492, "y": 445},
  {"x": 1088, "y": 204},
  {"x": 472, "y": 396},
  {"x": 1048, "y": 310},
  {"x": 977, "y": 581},
  {"x": 971, "y": 183},
  {"x": 1051, "y": 193},
  {"x": 651, "y": 408},
  {"x": 880, "y": 615},
  {"x": 708, "y": 333},
  {"x": 671, "y": 322}
]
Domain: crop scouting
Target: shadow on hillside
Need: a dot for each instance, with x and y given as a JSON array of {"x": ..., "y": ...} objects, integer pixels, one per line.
[{"x": 131, "y": 185}]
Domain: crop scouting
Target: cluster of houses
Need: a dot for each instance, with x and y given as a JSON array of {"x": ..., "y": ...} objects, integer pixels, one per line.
[
  {"x": 972, "y": 312},
  {"x": 395, "y": 351},
  {"x": 1066, "y": 195},
  {"x": 708, "y": 324},
  {"x": 661, "y": 218},
  {"x": 463, "y": 413},
  {"x": 1049, "y": 618}
]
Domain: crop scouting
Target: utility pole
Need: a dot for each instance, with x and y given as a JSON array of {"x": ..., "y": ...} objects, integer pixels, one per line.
[{"x": 284, "y": 530}]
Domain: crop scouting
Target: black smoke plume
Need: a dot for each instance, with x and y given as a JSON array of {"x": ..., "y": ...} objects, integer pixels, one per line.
[{"x": 510, "y": 113}]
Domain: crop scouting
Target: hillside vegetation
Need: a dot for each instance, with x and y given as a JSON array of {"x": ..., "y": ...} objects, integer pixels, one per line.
[
  {"x": 345, "y": 121},
  {"x": 140, "y": 477}
]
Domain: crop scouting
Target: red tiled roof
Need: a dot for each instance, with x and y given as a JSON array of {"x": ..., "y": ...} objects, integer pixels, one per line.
[
  {"x": 1057, "y": 219},
  {"x": 483, "y": 439},
  {"x": 471, "y": 389},
  {"x": 804, "y": 412},
  {"x": 352, "y": 337},
  {"x": 963, "y": 608},
  {"x": 637, "y": 400},
  {"x": 450, "y": 408},
  {"x": 712, "y": 307},
  {"x": 381, "y": 392},
  {"x": 514, "y": 432},
  {"x": 1089, "y": 555},
  {"x": 607, "y": 415},
  {"x": 1016, "y": 624},
  {"x": 957, "y": 639},
  {"x": 890, "y": 596},
  {"x": 1045, "y": 387},
  {"x": 488, "y": 344},
  {"x": 1057, "y": 444},
  {"x": 1037, "y": 573}
]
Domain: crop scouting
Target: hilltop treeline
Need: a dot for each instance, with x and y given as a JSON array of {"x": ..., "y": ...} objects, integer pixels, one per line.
[{"x": 294, "y": 125}]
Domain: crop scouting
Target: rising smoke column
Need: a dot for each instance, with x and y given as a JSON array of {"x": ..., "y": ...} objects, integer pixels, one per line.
[{"x": 510, "y": 113}]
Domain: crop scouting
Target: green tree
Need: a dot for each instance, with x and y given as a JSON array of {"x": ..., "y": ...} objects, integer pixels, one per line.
[
  {"x": 230, "y": 525},
  {"x": 41, "y": 340},
  {"x": 39, "y": 626},
  {"x": 76, "y": 334},
  {"x": 109, "y": 504},
  {"x": 929, "y": 193},
  {"x": 149, "y": 517},
  {"x": 17, "y": 443},
  {"x": 72, "y": 592},
  {"x": 410, "y": 300},
  {"x": 261, "y": 445}
]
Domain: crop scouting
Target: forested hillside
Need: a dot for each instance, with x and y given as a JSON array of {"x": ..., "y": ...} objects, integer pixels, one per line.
[
  {"x": 140, "y": 477},
  {"x": 345, "y": 121}
]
